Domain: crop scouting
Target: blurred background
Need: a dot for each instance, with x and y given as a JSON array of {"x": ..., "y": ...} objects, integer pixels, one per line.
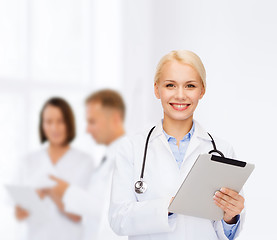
[{"x": 70, "y": 48}]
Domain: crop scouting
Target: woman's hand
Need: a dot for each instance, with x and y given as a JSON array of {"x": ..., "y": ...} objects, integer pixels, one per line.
[
  {"x": 56, "y": 193},
  {"x": 230, "y": 202},
  {"x": 21, "y": 213}
]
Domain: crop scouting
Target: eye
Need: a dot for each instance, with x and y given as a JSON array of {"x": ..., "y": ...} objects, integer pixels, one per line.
[
  {"x": 169, "y": 85},
  {"x": 190, "y": 86}
]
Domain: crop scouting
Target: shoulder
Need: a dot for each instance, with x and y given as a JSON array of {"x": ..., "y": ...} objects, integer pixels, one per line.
[
  {"x": 129, "y": 145},
  {"x": 36, "y": 155},
  {"x": 34, "y": 160},
  {"x": 221, "y": 144},
  {"x": 134, "y": 140}
]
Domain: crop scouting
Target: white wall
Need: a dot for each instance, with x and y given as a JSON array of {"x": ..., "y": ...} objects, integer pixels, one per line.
[{"x": 91, "y": 44}]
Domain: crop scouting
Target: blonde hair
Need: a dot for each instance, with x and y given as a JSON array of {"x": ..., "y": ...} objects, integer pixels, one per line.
[{"x": 185, "y": 57}]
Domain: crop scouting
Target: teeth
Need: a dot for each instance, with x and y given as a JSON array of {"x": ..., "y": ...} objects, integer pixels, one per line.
[{"x": 179, "y": 105}]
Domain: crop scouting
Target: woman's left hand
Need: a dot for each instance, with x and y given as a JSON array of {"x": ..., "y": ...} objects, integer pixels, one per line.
[{"x": 230, "y": 202}]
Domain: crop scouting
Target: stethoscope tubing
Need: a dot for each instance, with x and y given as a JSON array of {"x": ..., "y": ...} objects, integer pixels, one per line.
[{"x": 141, "y": 186}]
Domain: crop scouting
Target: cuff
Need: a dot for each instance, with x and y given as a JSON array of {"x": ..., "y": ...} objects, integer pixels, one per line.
[{"x": 230, "y": 229}]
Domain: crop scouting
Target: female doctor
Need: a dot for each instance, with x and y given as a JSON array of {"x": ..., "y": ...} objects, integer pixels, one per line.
[
  {"x": 58, "y": 158},
  {"x": 174, "y": 144}
]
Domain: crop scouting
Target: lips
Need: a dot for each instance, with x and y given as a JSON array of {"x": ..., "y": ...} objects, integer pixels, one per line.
[{"x": 179, "y": 107}]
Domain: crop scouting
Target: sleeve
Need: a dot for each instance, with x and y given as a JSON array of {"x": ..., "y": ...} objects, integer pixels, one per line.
[
  {"x": 82, "y": 202},
  {"x": 127, "y": 216},
  {"x": 223, "y": 228},
  {"x": 230, "y": 229},
  {"x": 92, "y": 201},
  {"x": 235, "y": 229}
]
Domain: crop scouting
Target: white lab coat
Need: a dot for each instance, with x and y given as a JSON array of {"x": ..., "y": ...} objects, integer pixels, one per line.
[
  {"x": 93, "y": 203},
  {"x": 145, "y": 216},
  {"x": 74, "y": 167}
]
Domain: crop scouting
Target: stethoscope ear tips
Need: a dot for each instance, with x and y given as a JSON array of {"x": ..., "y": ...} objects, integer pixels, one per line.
[{"x": 140, "y": 187}]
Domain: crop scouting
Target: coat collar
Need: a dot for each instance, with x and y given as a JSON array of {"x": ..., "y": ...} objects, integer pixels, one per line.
[
  {"x": 198, "y": 137},
  {"x": 158, "y": 131},
  {"x": 199, "y": 131}
]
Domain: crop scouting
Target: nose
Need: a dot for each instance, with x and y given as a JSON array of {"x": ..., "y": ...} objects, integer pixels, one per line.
[
  {"x": 181, "y": 94},
  {"x": 54, "y": 126}
]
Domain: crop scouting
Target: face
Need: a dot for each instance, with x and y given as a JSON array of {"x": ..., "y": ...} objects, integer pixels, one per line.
[
  {"x": 179, "y": 88},
  {"x": 53, "y": 125},
  {"x": 99, "y": 122}
]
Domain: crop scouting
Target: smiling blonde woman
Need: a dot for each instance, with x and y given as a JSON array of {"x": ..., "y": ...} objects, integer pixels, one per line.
[{"x": 175, "y": 143}]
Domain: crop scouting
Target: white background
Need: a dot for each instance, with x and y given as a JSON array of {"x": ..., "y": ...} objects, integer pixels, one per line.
[{"x": 70, "y": 48}]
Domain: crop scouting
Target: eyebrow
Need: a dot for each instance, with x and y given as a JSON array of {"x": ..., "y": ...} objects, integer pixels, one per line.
[{"x": 190, "y": 81}]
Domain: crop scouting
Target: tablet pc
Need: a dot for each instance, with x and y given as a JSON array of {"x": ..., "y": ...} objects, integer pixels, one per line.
[{"x": 209, "y": 174}]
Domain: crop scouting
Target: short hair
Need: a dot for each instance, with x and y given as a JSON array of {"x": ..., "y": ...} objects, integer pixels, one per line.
[
  {"x": 185, "y": 57},
  {"x": 68, "y": 117},
  {"x": 108, "y": 98}
]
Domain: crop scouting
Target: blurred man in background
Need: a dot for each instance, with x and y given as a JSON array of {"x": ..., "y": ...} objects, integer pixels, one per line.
[{"x": 105, "y": 112}]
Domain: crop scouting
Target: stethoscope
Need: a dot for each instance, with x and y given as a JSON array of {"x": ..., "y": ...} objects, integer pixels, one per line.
[{"x": 141, "y": 186}]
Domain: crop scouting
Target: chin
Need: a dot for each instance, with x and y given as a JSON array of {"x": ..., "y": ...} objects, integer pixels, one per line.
[
  {"x": 179, "y": 117},
  {"x": 59, "y": 142}
]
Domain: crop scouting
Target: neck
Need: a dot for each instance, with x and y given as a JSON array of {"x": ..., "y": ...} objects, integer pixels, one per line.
[
  {"x": 177, "y": 128},
  {"x": 117, "y": 133},
  {"x": 57, "y": 151}
]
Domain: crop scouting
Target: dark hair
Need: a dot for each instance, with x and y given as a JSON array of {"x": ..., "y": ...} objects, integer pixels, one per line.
[
  {"x": 108, "y": 98},
  {"x": 68, "y": 117}
]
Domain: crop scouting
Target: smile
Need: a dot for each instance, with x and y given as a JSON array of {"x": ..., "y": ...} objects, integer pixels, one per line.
[{"x": 179, "y": 107}]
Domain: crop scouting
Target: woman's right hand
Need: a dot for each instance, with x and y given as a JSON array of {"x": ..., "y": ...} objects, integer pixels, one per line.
[{"x": 21, "y": 213}]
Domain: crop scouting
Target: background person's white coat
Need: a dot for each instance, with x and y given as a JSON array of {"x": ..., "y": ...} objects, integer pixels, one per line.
[
  {"x": 74, "y": 167},
  {"x": 93, "y": 202}
]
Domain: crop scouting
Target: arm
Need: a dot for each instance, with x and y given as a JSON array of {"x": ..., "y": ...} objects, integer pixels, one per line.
[
  {"x": 56, "y": 194},
  {"x": 127, "y": 215},
  {"x": 91, "y": 202},
  {"x": 232, "y": 203}
]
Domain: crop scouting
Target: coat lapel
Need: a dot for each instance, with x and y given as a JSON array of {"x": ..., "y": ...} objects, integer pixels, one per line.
[
  {"x": 197, "y": 138},
  {"x": 158, "y": 133},
  {"x": 199, "y": 135}
]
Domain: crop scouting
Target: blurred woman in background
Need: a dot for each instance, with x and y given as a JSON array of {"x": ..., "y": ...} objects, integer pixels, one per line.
[{"x": 58, "y": 158}]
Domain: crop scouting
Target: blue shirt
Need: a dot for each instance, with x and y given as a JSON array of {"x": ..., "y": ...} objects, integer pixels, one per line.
[{"x": 179, "y": 154}]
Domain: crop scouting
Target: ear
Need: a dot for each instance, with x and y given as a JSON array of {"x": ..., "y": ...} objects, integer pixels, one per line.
[
  {"x": 116, "y": 116},
  {"x": 202, "y": 92},
  {"x": 156, "y": 90}
]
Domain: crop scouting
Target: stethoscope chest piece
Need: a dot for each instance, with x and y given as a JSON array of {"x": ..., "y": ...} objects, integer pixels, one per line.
[{"x": 140, "y": 187}]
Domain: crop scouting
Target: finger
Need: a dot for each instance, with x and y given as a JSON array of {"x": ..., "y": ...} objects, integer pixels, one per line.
[
  {"x": 52, "y": 177},
  {"x": 233, "y": 194},
  {"x": 230, "y": 192},
  {"x": 226, "y": 205},
  {"x": 226, "y": 198},
  {"x": 226, "y": 208}
]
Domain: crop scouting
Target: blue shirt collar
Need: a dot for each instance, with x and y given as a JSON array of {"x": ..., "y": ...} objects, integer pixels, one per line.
[{"x": 188, "y": 135}]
